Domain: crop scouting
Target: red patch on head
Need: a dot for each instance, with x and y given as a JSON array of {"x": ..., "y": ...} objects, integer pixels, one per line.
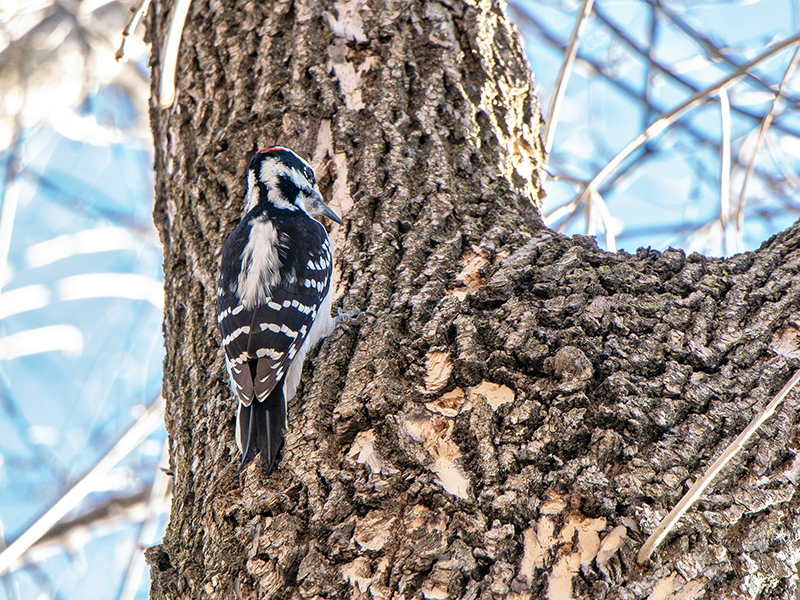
[{"x": 263, "y": 150}]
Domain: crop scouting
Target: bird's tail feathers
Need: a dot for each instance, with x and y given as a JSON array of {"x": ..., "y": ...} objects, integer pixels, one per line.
[
  {"x": 244, "y": 417},
  {"x": 260, "y": 427}
]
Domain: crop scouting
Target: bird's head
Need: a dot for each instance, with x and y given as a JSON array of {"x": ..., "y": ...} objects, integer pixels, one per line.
[{"x": 279, "y": 177}]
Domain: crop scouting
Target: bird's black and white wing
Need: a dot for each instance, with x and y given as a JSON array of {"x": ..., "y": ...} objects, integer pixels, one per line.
[
  {"x": 261, "y": 343},
  {"x": 274, "y": 294}
]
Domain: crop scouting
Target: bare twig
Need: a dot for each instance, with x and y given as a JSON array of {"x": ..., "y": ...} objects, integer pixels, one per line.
[
  {"x": 568, "y": 210},
  {"x": 567, "y": 178},
  {"x": 8, "y": 212},
  {"x": 620, "y": 84},
  {"x": 114, "y": 509},
  {"x": 166, "y": 92},
  {"x": 701, "y": 484},
  {"x": 587, "y": 209},
  {"x": 158, "y": 493},
  {"x": 138, "y": 10},
  {"x": 608, "y": 221},
  {"x": 668, "y": 69},
  {"x": 147, "y": 423},
  {"x": 555, "y": 214},
  {"x": 765, "y": 123},
  {"x": 667, "y": 119},
  {"x": 563, "y": 76},
  {"x": 725, "y": 168},
  {"x": 707, "y": 43}
]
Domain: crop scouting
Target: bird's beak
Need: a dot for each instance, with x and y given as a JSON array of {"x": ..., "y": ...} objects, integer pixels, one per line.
[{"x": 326, "y": 211}]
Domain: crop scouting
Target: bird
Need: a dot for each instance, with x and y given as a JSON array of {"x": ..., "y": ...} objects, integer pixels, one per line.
[{"x": 274, "y": 296}]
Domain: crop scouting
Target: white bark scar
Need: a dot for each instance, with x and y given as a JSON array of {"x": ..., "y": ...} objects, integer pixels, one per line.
[{"x": 349, "y": 24}]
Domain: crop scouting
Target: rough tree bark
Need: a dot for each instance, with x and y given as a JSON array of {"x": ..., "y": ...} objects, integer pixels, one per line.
[{"x": 524, "y": 408}]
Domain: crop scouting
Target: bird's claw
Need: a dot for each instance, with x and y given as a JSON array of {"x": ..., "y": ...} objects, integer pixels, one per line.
[{"x": 352, "y": 317}]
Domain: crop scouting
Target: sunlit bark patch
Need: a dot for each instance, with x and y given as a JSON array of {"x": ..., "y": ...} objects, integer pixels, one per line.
[
  {"x": 561, "y": 554},
  {"x": 434, "y": 433},
  {"x": 496, "y": 395},
  {"x": 439, "y": 369}
]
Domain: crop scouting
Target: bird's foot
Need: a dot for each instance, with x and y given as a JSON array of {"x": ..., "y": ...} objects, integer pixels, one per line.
[{"x": 352, "y": 317}]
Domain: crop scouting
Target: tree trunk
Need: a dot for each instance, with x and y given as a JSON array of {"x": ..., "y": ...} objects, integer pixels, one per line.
[{"x": 524, "y": 407}]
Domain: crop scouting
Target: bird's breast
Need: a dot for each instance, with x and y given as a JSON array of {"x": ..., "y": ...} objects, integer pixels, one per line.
[{"x": 260, "y": 264}]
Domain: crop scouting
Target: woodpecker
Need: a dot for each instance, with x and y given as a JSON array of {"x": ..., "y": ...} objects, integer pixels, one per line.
[{"x": 274, "y": 296}]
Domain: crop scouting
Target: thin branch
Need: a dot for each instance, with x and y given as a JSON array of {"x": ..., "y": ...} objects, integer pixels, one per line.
[
  {"x": 670, "y": 72},
  {"x": 143, "y": 427},
  {"x": 650, "y": 73},
  {"x": 569, "y": 208},
  {"x": 761, "y": 133},
  {"x": 558, "y": 212},
  {"x": 608, "y": 221},
  {"x": 698, "y": 36},
  {"x": 138, "y": 10},
  {"x": 567, "y": 178},
  {"x": 701, "y": 484},
  {"x": 166, "y": 92},
  {"x": 10, "y": 199},
  {"x": 725, "y": 168},
  {"x": 158, "y": 494},
  {"x": 667, "y": 119},
  {"x": 563, "y": 76},
  {"x": 97, "y": 207},
  {"x": 111, "y": 510}
]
